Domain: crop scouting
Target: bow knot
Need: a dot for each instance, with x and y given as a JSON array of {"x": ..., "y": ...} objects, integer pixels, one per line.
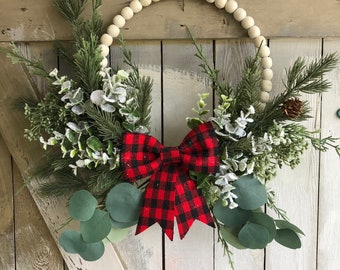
[
  {"x": 170, "y": 192},
  {"x": 170, "y": 155}
]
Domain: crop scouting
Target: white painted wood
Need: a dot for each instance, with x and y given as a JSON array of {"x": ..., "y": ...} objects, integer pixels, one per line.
[
  {"x": 230, "y": 58},
  {"x": 182, "y": 81},
  {"x": 329, "y": 217},
  {"x": 297, "y": 190},
  {"x": 147, "y": 246}
]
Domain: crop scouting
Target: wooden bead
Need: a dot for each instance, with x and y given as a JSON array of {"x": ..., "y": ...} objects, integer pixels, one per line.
[
  {"x": 267, "y": 74},
  {"x": 104, "y": 50},
  {"x": 266, "y": 85},
  {"x": 220, "y": 3},
  {"x": 239, "y": 14},
  {"x": 247, "y": 22},
  {"x": 113, "y": 30},
  {"x": 260, "y": 41},
  {"x": 145, "y": 3},
  {"x": 264, "y": 96},
  {"x": 119, "y": 21},
  {"x": 254, "y": 31},
  {"x": 127, "y": 13},
  {"x": 266, "y": 62},
  {"x": 104, "y": 62},
  {"x": 136, "y": 6},
  {"x": 231, "y": 6},
  {"x": 210, "y": 1},
  {"x": 264, "y": 51},
  {"x": 106, "y": 39}
]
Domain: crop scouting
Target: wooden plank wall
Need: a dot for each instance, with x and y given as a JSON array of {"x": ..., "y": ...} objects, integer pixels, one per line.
[{"x": 309, "y": 194}]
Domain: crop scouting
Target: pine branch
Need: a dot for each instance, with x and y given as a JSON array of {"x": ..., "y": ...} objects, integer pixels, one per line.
[
  {"x": 70, "y": 9},
  {"x": 103, "y": 180},
  {"x": 108, "y": 126},
  {"x": 142, "y": 84}
]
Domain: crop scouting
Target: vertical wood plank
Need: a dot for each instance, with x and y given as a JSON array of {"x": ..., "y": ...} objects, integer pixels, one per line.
[
  {"x": 7, "y": 243},
  {"x": 182, "y": 81},
  {"x": 230, "y": 58},
  {"x": 35, "y": 248},
  {"x": 147, "y": 246},
  {"x": 297, "y": 190},
  {"x": 329, "y": 200}
]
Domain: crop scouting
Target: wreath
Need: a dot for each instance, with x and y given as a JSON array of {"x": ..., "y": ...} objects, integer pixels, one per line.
[{"x": 117, "y": 175}]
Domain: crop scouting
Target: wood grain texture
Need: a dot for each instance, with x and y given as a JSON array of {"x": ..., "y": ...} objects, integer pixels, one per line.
[
  {"x": 230, "y": 57},
  {"x": 37, "y": 19},
  {"x": 35, "y": 247},
  {"x": 26, "y": 154},
  {"x": 146, "y": 247},
  {"x": 7, "y": 237},
  {"x": 329, "y": 218},
  {"x": 297, "y": 190},
  {"x": 182, "y": 82}
]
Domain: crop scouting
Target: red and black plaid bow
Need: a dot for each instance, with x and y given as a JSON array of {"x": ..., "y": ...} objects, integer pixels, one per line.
[{"x": 170, "y": 192}]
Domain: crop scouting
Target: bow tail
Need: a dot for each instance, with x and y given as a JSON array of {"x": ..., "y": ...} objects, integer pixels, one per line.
[
  {"x": 158, "y": 206},
  {"x": 190, "y": 205}
]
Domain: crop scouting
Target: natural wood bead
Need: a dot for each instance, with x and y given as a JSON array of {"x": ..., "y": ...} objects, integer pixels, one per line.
[
  {"x": 119, "y": 21},
  {"x": 266, "y": 85},
  {"x": 264, "y": 51},
  {"x": 210, "y": 1},
  {"x": 220, "y": 3},
  {"x": 231, "y": 6},
  {"x": 266, "y": 62},
  {"x": 127, "y": 13},
  {"x": 267, "y": 74},
  {"x": 264, "y": 96},
  {"x": 104, "y": 62},
  {"x": 136, "y": 6},
  {"x": 247, "y": 22},
  {"x": 254, "y": 31},
  {"x": 260, "y": 41},
  {"x": 104, "y": 50},
  {"x": 113, "y": 30},
  {"x": 145, "y": 3},
  {"x": 106, "y": 39},
  {"x": 239, "y": 14}
]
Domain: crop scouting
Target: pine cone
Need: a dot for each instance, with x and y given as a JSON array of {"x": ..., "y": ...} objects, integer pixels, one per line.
[{"x": 292, "y": 107}]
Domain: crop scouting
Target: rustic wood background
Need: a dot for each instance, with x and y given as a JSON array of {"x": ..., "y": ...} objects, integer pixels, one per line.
[{"x": 309, "y": 193}]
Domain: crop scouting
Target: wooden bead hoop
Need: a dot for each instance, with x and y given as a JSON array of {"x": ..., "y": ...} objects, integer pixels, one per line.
[{"x": 230, "y": 6}]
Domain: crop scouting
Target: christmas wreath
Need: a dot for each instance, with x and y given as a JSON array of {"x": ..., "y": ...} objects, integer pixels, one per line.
[{"x": 119, "y": 176}]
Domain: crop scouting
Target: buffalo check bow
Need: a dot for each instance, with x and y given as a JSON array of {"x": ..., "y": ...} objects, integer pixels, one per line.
[{"x": 170, "y": 192}]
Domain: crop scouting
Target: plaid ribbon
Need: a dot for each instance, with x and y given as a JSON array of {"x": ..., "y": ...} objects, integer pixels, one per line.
[{"x": 170, "y": 192}]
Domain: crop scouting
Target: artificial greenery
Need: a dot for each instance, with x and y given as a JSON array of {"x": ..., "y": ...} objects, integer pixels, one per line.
[{"x": 83, "y": 116}]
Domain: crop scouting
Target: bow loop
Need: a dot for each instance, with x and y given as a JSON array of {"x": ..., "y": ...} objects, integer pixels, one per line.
[{"x": 170, "y": 192}]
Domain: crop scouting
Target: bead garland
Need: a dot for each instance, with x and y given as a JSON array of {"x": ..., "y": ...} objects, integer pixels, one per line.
[{"x": 230, "y": 6}]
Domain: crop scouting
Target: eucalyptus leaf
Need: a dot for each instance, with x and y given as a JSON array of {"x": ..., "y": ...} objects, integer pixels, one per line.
[
  {"x": 94, "y": 143},
  {"x": 230, "y": 235},
  {"x": 288, "y": 238},
  {"x": 284, "y": 224},
  {"x": 122, "y": 225},
  {"x": 123, "y": 202},
  {"x": 82, "y": 205},
  {"x": 266, "y": 221},
  {"x": 230, "y": 217},
  {"x": 117, "y": 235},
  {"x": 72, "y": 242},
  {"x": 254, "y": 236},
  {"x": 96, "y": 228},
  {"x": 250, "y": 192},
  {"x": 93, "y": 251}
]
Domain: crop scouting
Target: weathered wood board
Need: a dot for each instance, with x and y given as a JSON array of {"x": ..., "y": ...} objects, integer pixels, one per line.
[{"x": 38, "y": 20}]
